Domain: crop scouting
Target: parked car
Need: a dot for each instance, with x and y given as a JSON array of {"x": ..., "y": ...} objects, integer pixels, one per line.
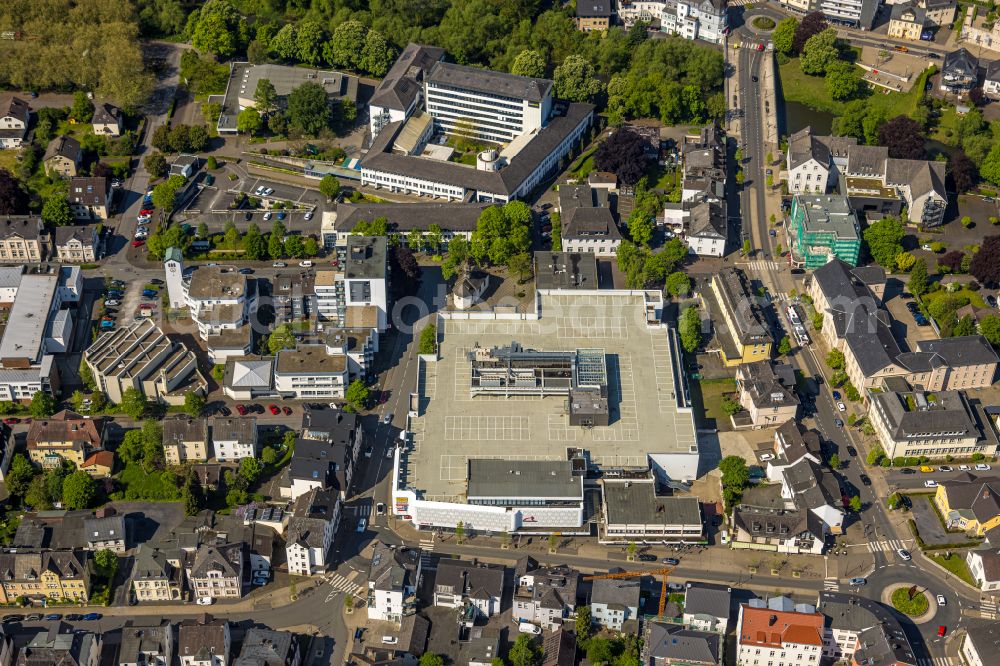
[
  {"x": 838, "y": 423},
  {"x": 836, "y": 395},
  {"x": 274, "y": 409},
  {"x": 991, "y": 300},
  {"x": 945, "y": 468},
  {"x": 114, "y": 302},
  {"x": 387, "y": 419},
  {"x": 268, "y": 191},
  {"x": 865, "y": 479},
  {"x": 205, "y": 601},
  {"x": 308, "y": 215},
  {"x": 91, "y": 617},
  {"x": 858, "y": 581},
  {"x": 34, "y": 617},
  {"x": 150, "y": 293},
  {"x": 267, "y": 215},
  {"x": 528, "y": 628},
  {"x": 646, "y": 557},
  {"x": 224, "y": 411},
  {"x": 11, "y": 420},
  {"x": 282, "y": 215},
  {"x": 53, "y": 616},
  {"x": 930, "y": 483},
  {"x": 73, "y": 617},
  {"x": 672, "y": 561},
  {"x": 926, "y": 469},
  {"x": 380, "y": 509},
  {"x": 841, "y": 407},
  {"x": 306, "y": 264},
  {"x": 286, "y": 410},
  {"x": 362, "y": 523},
  {"x": 368, "y": 452},
  {"x": 259, "y": 191},
  {"x": 241, "y": 410},
  {"x": 7, "y": 619},
  {"x": 138, "y": 243},
  {"x": 766, "y": 456},
  {"x": 278, "y": 264},
  {"x": 245, "y": 271},
  {"x": 964, "y": 468},
  {"x": 983, "y": 467}
]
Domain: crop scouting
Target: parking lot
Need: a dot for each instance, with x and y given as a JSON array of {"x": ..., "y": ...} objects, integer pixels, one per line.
[{"x": 904, "y": 326}]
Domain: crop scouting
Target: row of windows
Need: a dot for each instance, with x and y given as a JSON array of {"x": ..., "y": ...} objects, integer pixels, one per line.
[
  {"x": 436, "y": 89},
  {"x": 497, "y": 110}
]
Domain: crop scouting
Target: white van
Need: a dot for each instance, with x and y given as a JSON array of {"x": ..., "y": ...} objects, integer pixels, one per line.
[{"x": 528, "y": 628}]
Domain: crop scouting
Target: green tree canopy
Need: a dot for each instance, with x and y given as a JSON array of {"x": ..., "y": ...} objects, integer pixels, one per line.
[
  {"x": 576, "y": 80},
  {"x": 133, "y": 403},
  {"x": 783, "y": 36},
  {"x": 346, "y": 44},
  {"x": 820, "y": 51},
  {"x": 690, "y": 329},
  {"x": 377, "y": 55},
  {"x": 330, "y": 187},
  {"x": 19, "y": 475},
  {"x": 918, "y": 284},
  {"x": 282, "y": 337},
  {"x": 79, "y": 490},
  {"x": 57, "y": 212},
  {"x": 525, "y": 652},
  {"x": 356, "y": 396},
  {"x": 843, "y": 81},
  {"x": 502, "y": 232},
  {"x": 194, "y": 402},
  {"x": 308, "y": 108},
  {"x": 678, "y": 284},
  {"x": 42, "y": 405},
  {"x": 248, "y": 121},
  {"x": 265, "y": 97},
  {"x": 885, "y": 241},
  {"x": 529, "y": 63}
]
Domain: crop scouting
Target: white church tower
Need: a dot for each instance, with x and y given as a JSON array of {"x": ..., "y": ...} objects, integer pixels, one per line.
[{"x": 173, "y": 265}]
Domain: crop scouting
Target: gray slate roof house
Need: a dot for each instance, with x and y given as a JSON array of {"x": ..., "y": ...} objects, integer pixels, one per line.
[
  {"x": 265, "y": 647},
  {"x": 203, "y": 638},
  {"x": 673, "y": 644},
  {"x": 99, "y": 532},
  {"x": 404, "y": 81},
  {"x": 594, "y": 8},
  {"x": 140, "y": 642},
  {"x": 64, "y": 146},
  {"x": 959, "y": 70},
  {"x": 705, "y": 604}
]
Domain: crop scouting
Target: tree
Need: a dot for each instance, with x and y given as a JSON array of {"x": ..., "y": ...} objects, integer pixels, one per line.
[
  {"x": 356, "y": 396},
  {"x": 37, "y": 496},
  {"x": 156, "y": 165},
  {"x": 83, "y": 108},
  {"x": 985, "y": 265},
  {"x": 56, "y": 212},
  {"x": 820, "y": 51},
  {"x": 502, "y": 232},
  {"x": 19, "y": 475},
  {"x": 275, "y": 246},
  {"x": 528, "y": 63},
  {"x": 811, "y": 24},
  {"x": 330, "y": 187},
  {"x": 133, "y": 403},
  {"x": 875, "y": 455},
  {"x": 835, "y": 359},
  {"x": 13, "y": 198},
  {"x": 962, "y": 171},
  {"x": 905, "y": 261},
  {"x": 735, "y": 477},
  {"x": 525, "y": 652},
  {"x": 576, "y": 80},
  {"x": 250, "y": 470},
  {"x": 254, "y": 244},
  {"x": 431, "y": 659},
  {"x": 730, "y": 406},
  {"x": 785, "y": 346},
  {"x": 678, "y": 284},
  {"x": 641, "y": 227},
  {"x": 130, "y": 449},
  {"x": 520, "y": 265},
  {"x": 783, "y": 36},
  {"x": 310, "y": 247},
  {"x": 885, "y": 241},
  {"x": 248, "y": 121},
  {"x": 918, "y": 278},
  {"x": 309, "y": 38},
  {"x": 459, "y": 531},
  {"x": 951, "y": 261},
  {"x": 265, "y": 97},
  {"x": 989, "y": 327},
  {"x": 904, "y": 137},
  {"x": 192, "y": 495},
  {"x": 79, "y": 490},
  {"x": 217, "y": 28},
  {"x": 690, "y": 329},
  {"x": 624, "y": 154},
  {"x": 308, "y": 108},
  {"x": 42, "y": 405},
  {"x": 282, "y": 337},
  {"x": 584, "y": 625},
  {"x": 835, "y": 460},
  {"x": 106, "y": 562},
  {"x": 377, "y": 55},
  {"x": 194, "y": 402},
  {"x": 165, "y": 194},
  {"x": 294, "y": 247},
  {"x": 990, "y": 167},
  {"x": 855, "y": 504},
  {"x": 346, "y": 43},
  {"x": 843, "y": 80}
]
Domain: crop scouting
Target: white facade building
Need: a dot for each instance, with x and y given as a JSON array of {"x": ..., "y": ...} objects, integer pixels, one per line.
[
  {"x": 984, "y": 565},
  {"x": 310, "y": 532},
  {"x": 308, "y": 372},
  {"x": 234, "y": 438},
  {"x": 706, "y": 20},
  {"x": 14, "y": 122},
  {"x": 392, "y": 582},
  {"x": 220, "y": 299},
  {"x": 777, "y": 633},
  {"x": 613, "y": 602},
  {"x": 981, "y": 645}
]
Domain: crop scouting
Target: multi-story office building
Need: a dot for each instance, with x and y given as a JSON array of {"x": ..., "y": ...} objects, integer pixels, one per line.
[
  {"x": 308, "y": 372},
  {"x": 220, "y": 301},
  {"x": 401, "y": 91},
  {"x": 823, "y": 227},
  {"x": 361, "y": 281},
  {"x": 853, "y": 13}
]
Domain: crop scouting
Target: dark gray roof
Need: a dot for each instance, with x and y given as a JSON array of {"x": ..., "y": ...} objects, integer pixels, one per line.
[
  {"x": 914, "y": 14},
  {"x": 797, "y": 441},
  {"x": 407, "y": 217},
  {"x": 393, "y": 568},
  {"x": 838, "y": 282},
  {"x": 812, "y": 485},
  {"x": 446, "y": 74},
  {"x": 912, "y": 416},
  {"x": 403, "y": 83},
  {"x": 83, "y": 234},
  {"x": 201, "y": 640},
  {"x": 565, "y": 270},
  {"x": 707, "y": 599},
  {"x": 266, "y": 647},
  {"x": 923, "y": 176},
  {"x": 594, "y": 8},
  {"x": 993, "y": 71},
  {"x": 882, "y": 646},
  {"x": 636, "y": 503},
  {"x": 742, "y": 305},
  {"x": 616, "y": 593},
  {"x": 184, "y": 429},
  {"x": 771, "y": 523},
  {"x": 110, "y": 528},
  {"x": 961, "y": 351},
  {"x": 767, "y": 383},
  {"x": 867, "y": 161},
  {"x": 306, "y": 532},
  {"x": 242, "y": 429},
  {"x": 145, "y": 639},
  {"x": 332, "y": 425},
  {"x": 471, "y": 579},
  {"x": 16, "y": 108},
  {"x": 490, "y": 478},
  {"x": 991, "y": 563},
  {"x": 106, "y": 114},
  {"x": 679, "y": 645},
  {"x": 65, "y": 146},
  {"x": 28, "y": 227},
  {"x": 366, "y": 257},
  {"x": 708, "y": 220},
  {"x": 985, "y": 638},
  {"x": 880, "y": 636},
  {"x": 960, "y": 63},
  {"x": 555, "y": 587},
  {"x": 88, "y": 191},
  {"x": 978, "y": 494},
  {"x": 504, "y": 182},
  {"x": 151, "y": 564},
  {"x": 227, "y": 559},
  {"x": 871, "y": 340}
]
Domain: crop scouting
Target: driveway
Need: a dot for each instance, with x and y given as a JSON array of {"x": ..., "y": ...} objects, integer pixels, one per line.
[{"x": 929, "y": 526}]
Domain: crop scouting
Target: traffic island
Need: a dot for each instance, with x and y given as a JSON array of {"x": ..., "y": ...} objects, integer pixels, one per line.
[
  {"x": 921, "y": 608},
  {"x": 763, "y": 23}
]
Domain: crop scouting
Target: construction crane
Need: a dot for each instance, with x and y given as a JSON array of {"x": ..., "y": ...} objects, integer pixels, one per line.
[{"x": 639, "y": 574}]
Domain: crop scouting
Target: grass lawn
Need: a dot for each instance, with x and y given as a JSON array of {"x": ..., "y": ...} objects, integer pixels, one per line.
[
  {"x": 8, "y": 159},
  {"x": 710, "y": 393},
  {"x": 154, "y": 487},
  {"x": 956, "y": 565},
  {"x": 584, "y": 165},
  {"x": 811, "y": 91},
  {"x": 947, "y": 123},
  {"x": 973, "y": 297},
  {"x": 914, "y": 607}
]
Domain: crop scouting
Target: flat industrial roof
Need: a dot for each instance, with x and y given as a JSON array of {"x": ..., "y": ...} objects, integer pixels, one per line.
[
  {"x": 25, "y": 331},
  {"x": 455, "y": 426}
]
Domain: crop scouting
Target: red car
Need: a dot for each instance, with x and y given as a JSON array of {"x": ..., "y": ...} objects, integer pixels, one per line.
[
  {"x": 146, "y": 211},
  {"x": 11, "y": 420},
  {"x": 384, "y": 398},
  {"x": 241, "y": 409},
  {"x": 138, "y": 243},
  {"x": 274, "y": 409},
  {"x": 760, "y": 47},
  {"x": 942, "y": 630},
  {"x": 287, "y": 411}
]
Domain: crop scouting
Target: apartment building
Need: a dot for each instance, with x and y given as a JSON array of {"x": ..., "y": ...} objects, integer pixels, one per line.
[
  {"x": 706, "y": 20},
  {"x": 63, "y": 156},
  {"x": 220, "y": 301},
  {"x": 595, "y": 15},
  {"x": 970, "y": 502},
  {"x": 142, "y": 357},
  {"x": 219, "y": 572},
  {"x": 859, "y": 630},
  {"x": 589, "y": 220},
  {"x": 14, "y": 122},
  {"x": 743, "y": 333},
  {"x": 90, "y": 198},
  {"x": 852, "y": 13},
  {"x": 613, "y": 602},
  {"x": 65, "y": 436},
  {"x": 23, "y": 239},
  {"x": 330, "y": 444},
  {"x": 203, "y": 642},
  {"x": 315, "y": 517},
  {"x": 913, "y": 423},
  {"x": 792, "y": 443},
  {"x": 392, "y": 583},
  {"x": 544, "y": 595},
  {"x": 157, "y": 575},
  {"x": 981, "y": 644},
  {"x": 234, "y": 438},
  {"x": 51, "y": 574},
  {"x": 308, "y": 372},
  {"x": 77, "y": 245},
  {"x": 459, "y": 582},
  {"x": 984, "y": 565},
  {"x": 185, "y": 439},
  {"x": 778, "y": 632},
  {"x": 707, "y": 607},
  {"x": 665, "y": 643},
  {"x": 145, "y": 644},
  {"x": 62, "y": 647},
  {"x": 959, "y": 72},
  {"x": 822, "y": 228},
  {"x": 106, "y": 532},
  {"x": 907, "y": 22},
  {"x": 767, "y": 392},
  {"x": 265, "y": 647}
]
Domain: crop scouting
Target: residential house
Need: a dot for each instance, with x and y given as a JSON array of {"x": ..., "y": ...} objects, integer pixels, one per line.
[
  {"x": 51, "y": 574},
  {"x": 13, "y": 122},
  {"x": 767, "y": 392},
  {"x": 392, "y": 582},
  {"x": 970, "y": 502},
  {"x": 559, "y": 648},
  {"x": 665, "y": 643},
  {"x": 107, "y": 120},
  {"x": 706, "y": 20},
  {"x": 706, "y": 607},
  {"x": 63, "y": 156},
  {"x": 939, "y": 12},
  {"x": 633, "y": 511},
  {"x": 792, "y": 443},
  {"x": 234, "y": 438},
  {"x": 545, "y": 595},
  {"x": 203, "y": 642},
  {"x": 589, "y": 220},
  {"x": 326, "y": 454},
  {"x": 64, "y": 436},
  {"x": 99, "y": 464},
  {"x": 146, "y": 644},
  {"x": 743, "y": 333},
  {"x": 861, "y": 631},
  {"x": 942, "y": 424},
  {"x": 61, "y": 647},
  {"x": 764, "y": 520},
  {"x": 156, "y": 575},
  {"x": 266, "y": 647},
  {"x": 981, "y": 644},
  {"x": 810, "y": 485},
  {"x": 77, "y": 244},
  {"x": 907, "y": 21},
  {"x": 185, "y": 439},
  {"x": 23, "y": 239},
  {"x": 991, "y": 81},
  {"x": 219, "y": 572},
  {"x": 594, "y": 15},
  {"x": 777, "y": 633},
  {"x": 459, "y": 583},
  {"x": 984, "y": 565},
  {"x": 959, "y": 72},
  {"x": 106, "y": 532},
  {"x": 613, "y": 602},
  {"x": 90, "y": 197},
  {"x": 315, "y": 518}
]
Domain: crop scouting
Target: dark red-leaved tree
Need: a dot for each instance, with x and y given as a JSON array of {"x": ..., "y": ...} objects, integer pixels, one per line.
[
  {"x": 13, "y": 199},
  {"x": 951, "y": 260},
  {"x": 624, "y": 154},
  {"x": 962, "y": 171},
  {"x": 404, "y": 263},
  {"x": 101, "y": 170},
  {"x": 904, "y": 137},
  {"x": 977, "y": 96},
  {"x": 985, "y": 265},
  {"x": 810, "y": 25}
]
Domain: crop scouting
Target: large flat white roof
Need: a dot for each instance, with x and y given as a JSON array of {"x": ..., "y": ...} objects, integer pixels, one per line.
[{"x": 25, "y": 330}]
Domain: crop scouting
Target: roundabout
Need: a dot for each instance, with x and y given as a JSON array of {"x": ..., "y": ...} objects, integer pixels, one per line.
[
  {"x": 920, "y": 609},
  {"x": 763, "y": 23}
]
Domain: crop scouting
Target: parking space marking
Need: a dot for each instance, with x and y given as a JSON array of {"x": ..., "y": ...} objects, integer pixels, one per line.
[
  {"x": 559, "y": 429},
  {"x": 591, "y": 327},
  {"x": 487, "y": 428},
  {"x": 663, "y": 371}
]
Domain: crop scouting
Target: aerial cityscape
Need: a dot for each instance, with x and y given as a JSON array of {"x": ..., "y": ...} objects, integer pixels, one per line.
[{"x": 499, "y": 333}]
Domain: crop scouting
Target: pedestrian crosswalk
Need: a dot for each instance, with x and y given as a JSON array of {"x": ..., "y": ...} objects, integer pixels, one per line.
[
  {"x": 936, "y": 661},
  {"x": 340, "y": 584},
  {"x": 763, "y": 265},
  {"x": 988, "y": 609},
  {"x": 360, "y": 510},
  {"x": 427, "y": 544},
  {"x": 831, "y": 584},
  {"x": 885, "y": 546},
  {"x": 741, "y": 3}
]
